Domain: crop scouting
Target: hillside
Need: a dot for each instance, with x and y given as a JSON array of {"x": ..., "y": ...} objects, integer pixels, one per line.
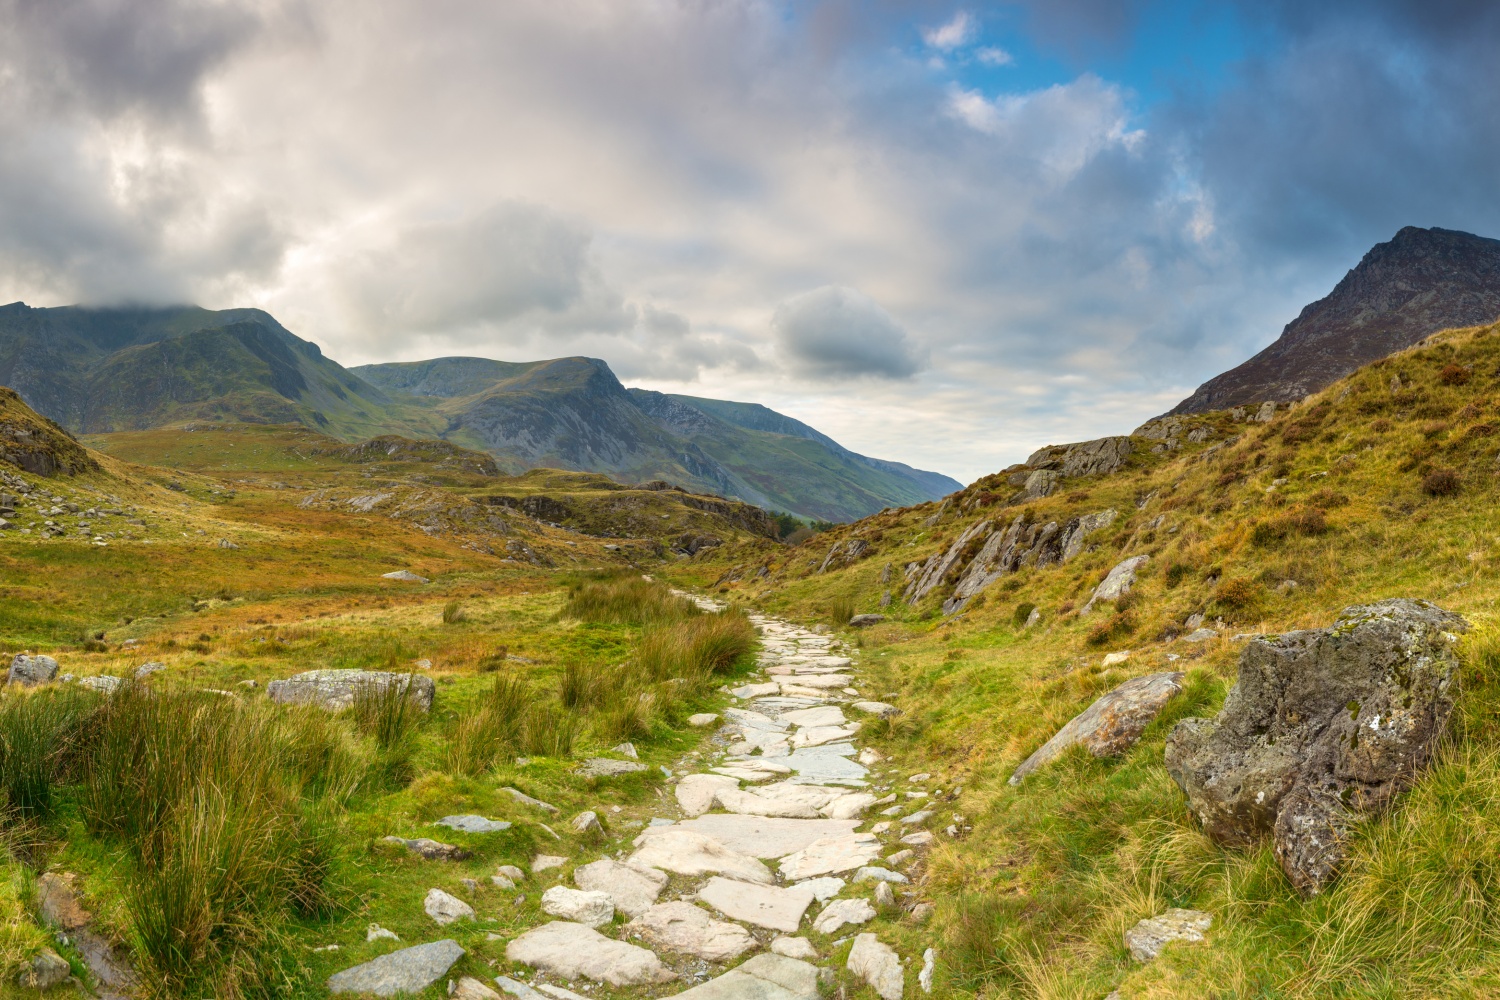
[
  {"x": 1422, "y": 281},
  {"x": 1380, "y": 486},
  {"x": 572, "y": 413}
]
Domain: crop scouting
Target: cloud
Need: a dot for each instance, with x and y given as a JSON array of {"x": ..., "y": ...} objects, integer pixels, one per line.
[
  {"x": 992, "y": 55},
  {"x": 835, "y": 332},
  {"x": 952, "y": 34}
]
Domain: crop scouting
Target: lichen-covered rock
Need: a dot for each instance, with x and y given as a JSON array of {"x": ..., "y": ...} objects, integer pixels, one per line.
[
  {"x": 1087, "y": 458},
  {"x": 1322, "y": 726},
  {"x": 410, "y": 970},
  {"x": 1117, "y": 583},
  {"x": 1112, "y": 724},
  {"x": 1024, "y": 544},
  {"x": 29, "y": 670},
  {"x": 878, "y": 965},
  {"x": 336, "y": 689},
  {"x": 1147, "y": 938}
]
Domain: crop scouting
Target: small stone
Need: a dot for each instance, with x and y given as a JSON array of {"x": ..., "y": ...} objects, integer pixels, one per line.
[
  {"x": 703, "y": 719},
  {"x": 405, "y": 576},
  {"x": 920, "y": 816},
  {"x": 1201, "y": 635},
  {"x": 1147, "y": 938},
  {"x": 795, "y": 947},
  {"x": 876, "y": 708},
  {"x": 571, "y": 951},
  {"x": 587, "y": 823},
  {"x": 865, "y": 621},
  {"x": 375, "y": 932},
  {"x": 843, "y": 911},
  {"x": 527, "y": 800},
  {"x": 147, "y": 669},
  {"x": 901, "y": 855},
  {"x": 603, "y": 767},
  {"x": 684, "y": 928},
  {"x": 878, "y": 965},
  {"x": 592, "y": 909},
  {"x": 924, "y": 776},
  {"x": 922, "y": 912},
  {"x": 514, "y": 987},
  {"x": 823, "y": 889},
  {"x": 501, "y": 882},
  {"x": 1112, "y": 724},
  {"x": 470, "y": 988},
  {"x": 1110, "y": 659},
  {"x": 542, "y": 862},
  {"x": 473, "y": 824},
  {"x": 696, "y": 792},
  {"x": 512, "y": 872},
  {"x": 410, "y": 970},
  {"x": 627, "y": 749},
  {"x": 929, "y": 966},
  {"x": 869, "y": 757},
  {"x": 432, "y": 850},
  {"x": 445, "y": 908},
  {"x": 45, "y": 970},
  {"x": 919, "y": 839},
  {"x": 879, "y": 875}
]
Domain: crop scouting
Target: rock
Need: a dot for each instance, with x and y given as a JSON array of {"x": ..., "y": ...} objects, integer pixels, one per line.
[
  {"x": 558, "y": 993},
  {"x": 1110, "y": 659},
  {"x": 831, "y": 855},
  {"x": 375, "y": 932},
  {"x": 502, "y": 882},
  {"x": 869, "y": 757},
  {"x": 58, "y": 903},
  {"x": 587, "y": 823},
  {"x": 1033, "y": 618},
  {"x": 696, "y": 792},
  {"x": 512, "y": 872},
  {"x": 527, "y": 800},
  {"x": 632, "y": 890},
  {"x": 688, "y": 852},
  {"x": 603, "y": 767},
  {"x": 45, "y": 970},
  {"x": 922, "y": 912},
  {"x": 444, "y": 908},
  {"x": 104, "y": 684},
  {"x": 848, "y": 806},
  {"x": 885, "y": 896},
  {"x": 795, "y": 947},
  {"x": 147, "y": 669},
  {"x": 517, "y": 989},
  {"x": 684, "y": 928},
  {"x": 1146, "y": 939},
  {"x": 1087, "y": 458},
  {"x": 470, "y": 988},
  {"x": 764, "y": 977},
  {"x": 1266, "y": 412},
  {"x": 822, "y": 715},
  {"x": 1112, "y": 724},
  {"x": 410, "y": 970},
  {"x": 878, "y": 875},
  {"x": 1117, "y": 583},
  {"x": 920, "y": 816},
  {"x": 542, "y": 862},
  {"x": 1322, "y": 727},
  {"x": 750, "y": 804},
  {"x": 767, "y": 836},
  {"x": 877, "y": 708},
  {"x": 335, "y": 689},
  {"x": 929, "y": 966},
  {"x": 824, "y": 888},
  {"x": 592, "y": 909},
  {"x": 570, "y": 950},
  {"x": 826, "y": 764},
  {"x": 703, "y": 719},
  {"x": 1201, "y": 635},
  {"x": 919, "y": 839},
  {"x": 473, "y": 824},
  {"x": 878, "y": 965},
  {"x": 755, "y": 690},
  {"x": 865, "y": 621},
  {"x": 405, "y": 576},
  {"x": 29, "y": 670},
  {"x": 625, "y": 749},
  {"x": 762, "y": 905},
  {"x": 432, "y": 850},
  {"x": 843, "y": 911}
]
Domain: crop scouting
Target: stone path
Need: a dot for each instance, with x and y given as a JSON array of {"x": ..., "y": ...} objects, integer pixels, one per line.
[{"x": 769, "y": 839}]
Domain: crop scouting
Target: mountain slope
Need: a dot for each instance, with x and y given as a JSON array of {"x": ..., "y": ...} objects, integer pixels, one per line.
[
  {"x": 101, "y": 370},
  {"x": 1422, "y": 281}
]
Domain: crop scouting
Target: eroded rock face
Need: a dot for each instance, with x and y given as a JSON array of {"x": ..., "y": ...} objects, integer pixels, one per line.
[
  {"x": 1322, "y": 726},
  {"x": 336, "y": 689},
  {"x": 1023, "y": 545},
  {"x": 1087, "y": 458},
  {"x": 1112, "y": 724}
]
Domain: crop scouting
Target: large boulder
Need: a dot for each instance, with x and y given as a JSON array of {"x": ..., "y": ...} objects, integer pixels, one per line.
[
  {"x": 29, "y": 670},
  {"x": 1322, "y": 726},
  {"x": 336, "y": 689},
  {"x": 1117, "y": 583},
  {"x": 1112, "y": 724}
]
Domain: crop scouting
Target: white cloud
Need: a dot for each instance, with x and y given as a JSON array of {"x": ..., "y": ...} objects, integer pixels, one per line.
[
  {"x": 954, "y": 33},
  {"x": 1063, "y": 126},
  {"x": 993, "y": 56},
  {"x": 834, "y": 332}
]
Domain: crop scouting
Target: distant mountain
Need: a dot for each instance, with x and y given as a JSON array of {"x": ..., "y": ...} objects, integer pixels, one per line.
[
  {"x": 119, "y": 369},
  {"x": 572, "y": 413},
  {"x": 1422, "y": 281}
]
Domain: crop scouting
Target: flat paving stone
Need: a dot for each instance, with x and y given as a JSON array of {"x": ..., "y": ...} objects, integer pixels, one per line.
[
  {"x": 828, "y": 764},
  {"x": 696, "y": 792},
  {"x": 831, "y": 855},
  {"x": 823, "y": 715},
  {"x": 766, "y": 906},
  {"x": 571, "y": 951},
  {"x": 410, "y": 970},
  {"x": 878, "y": 965},
  {"x": 764, "y": 977},
  {"x": 689, "y": 850},
  {"x": 473, "y": 824},
  {"x": 766, "y": 836},
  {"x": 843, "y": 911},
  {"x": 633, "y": 890},
  {"x": 686, "y": 929}
]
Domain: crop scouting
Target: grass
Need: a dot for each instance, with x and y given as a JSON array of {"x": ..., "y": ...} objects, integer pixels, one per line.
[{"x": 625, "y": 599}]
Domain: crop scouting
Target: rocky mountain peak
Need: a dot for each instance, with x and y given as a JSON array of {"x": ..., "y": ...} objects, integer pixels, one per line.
[{"x": 1420, "y": 282}]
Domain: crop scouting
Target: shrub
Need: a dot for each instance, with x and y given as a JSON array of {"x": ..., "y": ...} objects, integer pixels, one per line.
[
  {"x": 1380, "y": 426},
  {"x": 1022, "y": 613},
  {"x": 1454, "y": 375},
  {"x": 494, "y": 660},
  {"x": 452, "y": 613},
  {"x": 387, "y": 713},
  {"x": 1119, "y": 624},
  {"x": 1236, "y": 593},
  {"x": 496, "y": 725},
  {"x": 1176, "y": 572},
  {"x": 1442, "y": 482},
  {"x": 1328, "y": 499}
]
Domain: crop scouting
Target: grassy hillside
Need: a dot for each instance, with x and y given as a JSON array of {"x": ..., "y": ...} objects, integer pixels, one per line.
[{"x": 1383, "y": 485}]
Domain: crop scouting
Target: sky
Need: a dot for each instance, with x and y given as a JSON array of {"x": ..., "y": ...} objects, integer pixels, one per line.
[{"x": 945, "y": 234}]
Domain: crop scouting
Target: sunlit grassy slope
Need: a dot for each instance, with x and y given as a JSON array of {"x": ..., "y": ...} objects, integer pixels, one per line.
[{"x": 1383, "y": 485}]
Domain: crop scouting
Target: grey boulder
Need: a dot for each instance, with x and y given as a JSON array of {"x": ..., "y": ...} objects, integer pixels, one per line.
[
  {"x": 28, "y": 670},
  {"x": 1112, "y": 724},
  {"x": 473, "y": 824},
  {"x": 1117, "y": 583},
  {"x": 1321, "y": 727},
  {"x": 1147, "y": 938},
  {"x": 410, "y": 970},
  {"x": 337, "y": 689}
]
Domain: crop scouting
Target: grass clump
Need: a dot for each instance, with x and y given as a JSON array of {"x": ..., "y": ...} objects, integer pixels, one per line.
[
  {"x": 626, "y": 600},
  {"x": 453, "y": 613},
  {"x": 840, "y": 610},
  {"x": 36, "y": 731},
  {"x": 1442, "y": 482}
]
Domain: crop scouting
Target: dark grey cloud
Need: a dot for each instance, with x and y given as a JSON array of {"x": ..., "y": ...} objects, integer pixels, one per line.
[{"x": 842, "y": 333}]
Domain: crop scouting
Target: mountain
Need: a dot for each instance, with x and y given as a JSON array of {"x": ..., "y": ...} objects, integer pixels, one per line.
[
  {"x": 105, "y": 370},
  {"x": 1422, "y": 281},
  {"x": 102, "y": 370},
  {"x": 572, "y": 413}
]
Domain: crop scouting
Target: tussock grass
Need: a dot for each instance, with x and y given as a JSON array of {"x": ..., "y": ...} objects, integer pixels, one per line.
[
  {"x": 37, "y": 730},
  {"x": 627, "y": 600},
  {"x": 696, "y": 648},
  {"x": 840, "y": 610}
]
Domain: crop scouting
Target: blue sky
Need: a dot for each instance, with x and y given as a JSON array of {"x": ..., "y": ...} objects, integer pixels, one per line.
[{"x": 943, "y": 233}]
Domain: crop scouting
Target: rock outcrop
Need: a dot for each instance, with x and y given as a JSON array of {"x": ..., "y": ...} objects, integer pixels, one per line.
[
  {"x": 1087, "y": 458},
  {"x": 1322, "y": 726},
  {"x": 29, "y": 670},
  {"x": 337, "y": 689},
  {"x": 1112, "y": 724}
]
